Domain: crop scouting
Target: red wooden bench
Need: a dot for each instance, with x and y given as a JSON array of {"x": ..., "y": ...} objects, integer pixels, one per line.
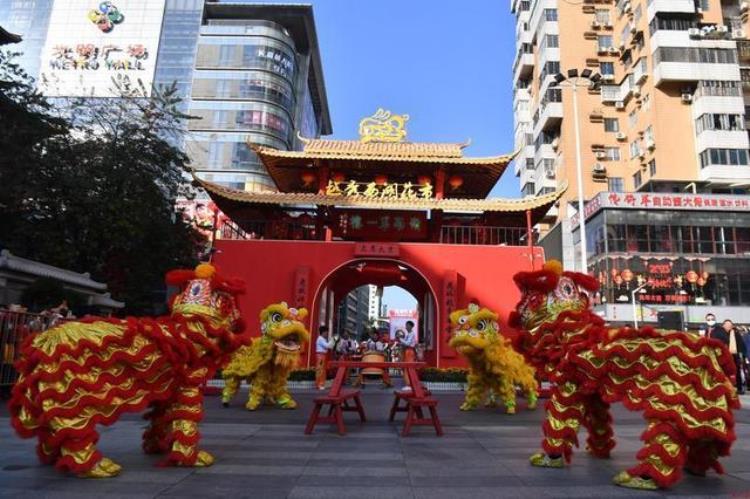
[
  {"x": 337, "y": 405},
  {"x": 416, "y": 399}
]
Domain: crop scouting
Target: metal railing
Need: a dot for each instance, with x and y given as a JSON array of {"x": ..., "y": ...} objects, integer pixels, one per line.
[
  {"x": 15, "y": 327},
  {"x": 483, "y": 235},
  {"x": 265, "y": 229}
]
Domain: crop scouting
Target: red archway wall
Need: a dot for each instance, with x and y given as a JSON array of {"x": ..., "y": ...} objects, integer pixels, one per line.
[{"x": 294, "y": 271}]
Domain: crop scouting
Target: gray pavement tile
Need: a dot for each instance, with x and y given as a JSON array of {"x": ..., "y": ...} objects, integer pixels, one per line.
[
  {"x": 251, "y": 469},
  {"x": 498, "y": 482},
  {"x": 336, "y": 481},
  {"x": 489, "y": 492},
  {"x": 352, "y": 472},
  {"x": 375, "y": 492}
]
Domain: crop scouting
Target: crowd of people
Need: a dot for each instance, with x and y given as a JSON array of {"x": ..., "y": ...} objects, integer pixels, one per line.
[
  {"x": 402, "y": 347},
  {"x": 737, "y": 340}
]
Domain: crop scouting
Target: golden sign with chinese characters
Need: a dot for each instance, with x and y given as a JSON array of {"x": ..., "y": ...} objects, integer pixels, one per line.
[
  {"x": 372, "y": 190},
  {"x": 383, "y": 126}
]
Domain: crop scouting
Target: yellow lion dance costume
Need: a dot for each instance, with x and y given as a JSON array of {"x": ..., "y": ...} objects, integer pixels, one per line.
[
  {"x": 680, "y": 382},
  {"x": 266, "y": 363},
  {"x": 80, "y": 374},
  {"x": 495, "y": 368}
]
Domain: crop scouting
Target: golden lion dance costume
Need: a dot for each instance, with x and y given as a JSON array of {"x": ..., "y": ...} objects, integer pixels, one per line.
[
  {"x": 680, "y": 382},
  {"x": 80, "y": 374},
  {"x": 266, "y": 363},
  {"x": 495, "y": 368}
]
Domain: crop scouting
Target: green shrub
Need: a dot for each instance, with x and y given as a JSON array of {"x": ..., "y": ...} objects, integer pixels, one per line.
[
  {"x": 302, "y": 375},
  {"x": 450, "y": 375}
]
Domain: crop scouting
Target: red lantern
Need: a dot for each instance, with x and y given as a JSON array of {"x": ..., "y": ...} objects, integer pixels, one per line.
[
  {"x": 691, "y": 276},
  {"x": 627, "y": 275},
  {"x": 381, "y": 179},
  {"x": 424, "y": 180},
  {"x": 338, "y": 177},
  {"x": 455, "y": 181},
  {"x": 308, "y": 178}
]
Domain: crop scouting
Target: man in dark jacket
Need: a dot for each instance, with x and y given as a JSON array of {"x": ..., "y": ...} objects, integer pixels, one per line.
[
  {"x": 708, "y": 328},
  {"x": 729, "y": 335}
]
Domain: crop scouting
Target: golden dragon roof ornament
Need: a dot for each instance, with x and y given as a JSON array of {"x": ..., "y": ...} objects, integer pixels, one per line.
[{"x": 383, "y": 126}]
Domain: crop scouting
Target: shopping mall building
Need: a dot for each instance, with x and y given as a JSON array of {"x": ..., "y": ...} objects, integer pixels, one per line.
[
  {"x": 249, "y": 72},
  {"x": 669, "y": 251}
]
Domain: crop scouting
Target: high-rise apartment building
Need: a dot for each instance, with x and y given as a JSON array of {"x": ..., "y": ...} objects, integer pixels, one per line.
[
  {"x": 669, "y": 113},
  {"x": 257, "y": 78}
]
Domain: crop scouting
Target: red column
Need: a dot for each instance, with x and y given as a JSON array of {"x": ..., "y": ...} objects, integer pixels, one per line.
[
  {"x": 323, "y": 175},
  {"x": 439, "y": 183},
  {"x": 528, "y": 238}
]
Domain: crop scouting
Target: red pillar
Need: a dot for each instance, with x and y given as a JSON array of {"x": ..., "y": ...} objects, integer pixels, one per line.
[
  {"x": 439, "y": 183},
  {"x": 323, "y": 175},
  {"x": 528, "y": 238}
]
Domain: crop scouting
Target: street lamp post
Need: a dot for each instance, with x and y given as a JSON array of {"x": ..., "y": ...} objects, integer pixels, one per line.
[
  {"x": 632, "y": 300},
  {"x": 574, "y": 81}
]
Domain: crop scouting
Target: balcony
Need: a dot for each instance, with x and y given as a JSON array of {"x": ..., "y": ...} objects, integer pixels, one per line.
[
  {"x": 745, "y": 77},
  {"x": 743, "y": 50},
  {"x": 664, "y": 6},
  {"x": 483, "y": 235}
]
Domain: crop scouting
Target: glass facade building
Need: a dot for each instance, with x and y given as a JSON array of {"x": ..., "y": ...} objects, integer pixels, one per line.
[
  {"x": 248, "y": 73},
  {"x": 251, "y": 84}
]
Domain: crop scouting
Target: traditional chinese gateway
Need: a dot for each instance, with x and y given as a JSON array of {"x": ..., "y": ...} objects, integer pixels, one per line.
[{"x": 380, "y": 211}]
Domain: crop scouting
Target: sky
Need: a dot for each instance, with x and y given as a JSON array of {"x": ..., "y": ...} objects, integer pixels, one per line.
[{"x": 446, "y": 64}]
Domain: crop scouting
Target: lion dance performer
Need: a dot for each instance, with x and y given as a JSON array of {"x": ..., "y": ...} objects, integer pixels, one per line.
[
  {"x": 680, "y": 382},
  {"x": 80, "y": 374},
  {"x": 494, "y": 366},
  {"x": 266, "y": 363}
]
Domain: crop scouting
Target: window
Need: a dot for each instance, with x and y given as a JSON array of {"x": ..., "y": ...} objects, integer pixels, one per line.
[
  {"x": 529, "y": 163},
  {"x": 611, "y": 125},
  {"x": 695, "y": 55},
  {"x": 605, "y": 42},
  {"x": 646, "y": 102},
  {"x": 637, "y": 181},
  {"x": 550, "y": 14},
  {"x": 528, "y": 189},
  {"x": 615, "y": 184},
  {"x": 214, "y": 154},
  {"x": 648, "y": 134},
  {"x": 652, "y": 167},
  {"x": 637, "y": 13},
  {"x": 607, "y": 68},
  {"x": 551, "y": 68},
  {"x": 632, "y": 118},
  {"x": 709, "y": 121},
  {"x": 724, "y": 157},
  {"x": 550, "y": 41},
  {"x": 225, "y": 54},
  {"x": 612, "y": 153},
  {"x": 602, "y": 16},
  {"x": 704, "y": 5},
  {"x": 718, "y": 88},
  {"x": 635, "y": 149},
  {"x": 671, "y": 24}
]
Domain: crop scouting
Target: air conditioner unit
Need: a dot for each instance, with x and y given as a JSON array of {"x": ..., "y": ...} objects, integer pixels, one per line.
[
  {"x": 555, "y": 144},
  {"x": 687, "y": 98},
  {"x": 642, "y": 77},
  {"x": 627, "y": 8},
  {"x": 744, "y": 6},
  {"x": 698, "y": 10},
  {"x": 613, "y": 51},
  {"x": 633, "y": 29},
  {"x": 738, "y": 33},
  {"x": 721, "y": 28},
  {"x": 621, "y": 136},
  {"x": 641, "y": 155},
  {"x": 549, "y": 172},
  {"x": 600, "y": 155},
  {"x": 599, "y": 168},
  {"x": 651, "y": 144},
  {"x": 619, "y": 105},
  {"x": 608, "y": 25},
  {"x": 636, "y": 91},
  {"x": 595, "y": 24},
  {"x": 695, "y": 33},
  {"x": 608, "y": 77},
  {"x": 621, "y": 46}
]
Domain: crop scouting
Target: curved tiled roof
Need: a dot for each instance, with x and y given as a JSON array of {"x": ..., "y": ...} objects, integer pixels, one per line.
[{"x": 284, "y": 198}]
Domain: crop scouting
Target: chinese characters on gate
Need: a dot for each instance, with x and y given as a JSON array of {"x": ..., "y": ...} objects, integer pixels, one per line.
[{"x": 372, "y": 190}]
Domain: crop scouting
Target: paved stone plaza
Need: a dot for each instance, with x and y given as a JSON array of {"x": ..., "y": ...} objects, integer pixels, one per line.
[{"x": 266, "y": 454}]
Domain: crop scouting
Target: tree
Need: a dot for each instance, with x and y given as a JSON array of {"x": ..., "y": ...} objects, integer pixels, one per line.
[{"x": 97, "y": 193}]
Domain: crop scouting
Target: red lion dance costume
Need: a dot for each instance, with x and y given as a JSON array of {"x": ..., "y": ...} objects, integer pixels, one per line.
[
  {"x": 80, "y": 374},
  {"x": 680, "y": 382}
]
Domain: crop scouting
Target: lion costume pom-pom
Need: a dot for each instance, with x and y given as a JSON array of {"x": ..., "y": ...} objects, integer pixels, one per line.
[
  {"x": 80, "y": 374},
  {"x": 679, "y": 380}
]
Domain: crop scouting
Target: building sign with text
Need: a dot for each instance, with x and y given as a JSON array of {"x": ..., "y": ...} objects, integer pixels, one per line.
[
  {"x": 93, "y": 47},
  {"x": 663, "y": 201}
]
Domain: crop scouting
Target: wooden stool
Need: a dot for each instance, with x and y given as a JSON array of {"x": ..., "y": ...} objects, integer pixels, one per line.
[
  {"x": 337, "y": 405},
  {"x": 414, "y": 415}
]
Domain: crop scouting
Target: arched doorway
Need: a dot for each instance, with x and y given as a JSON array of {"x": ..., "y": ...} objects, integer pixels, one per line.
[{"x": 379, "y": 272}]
